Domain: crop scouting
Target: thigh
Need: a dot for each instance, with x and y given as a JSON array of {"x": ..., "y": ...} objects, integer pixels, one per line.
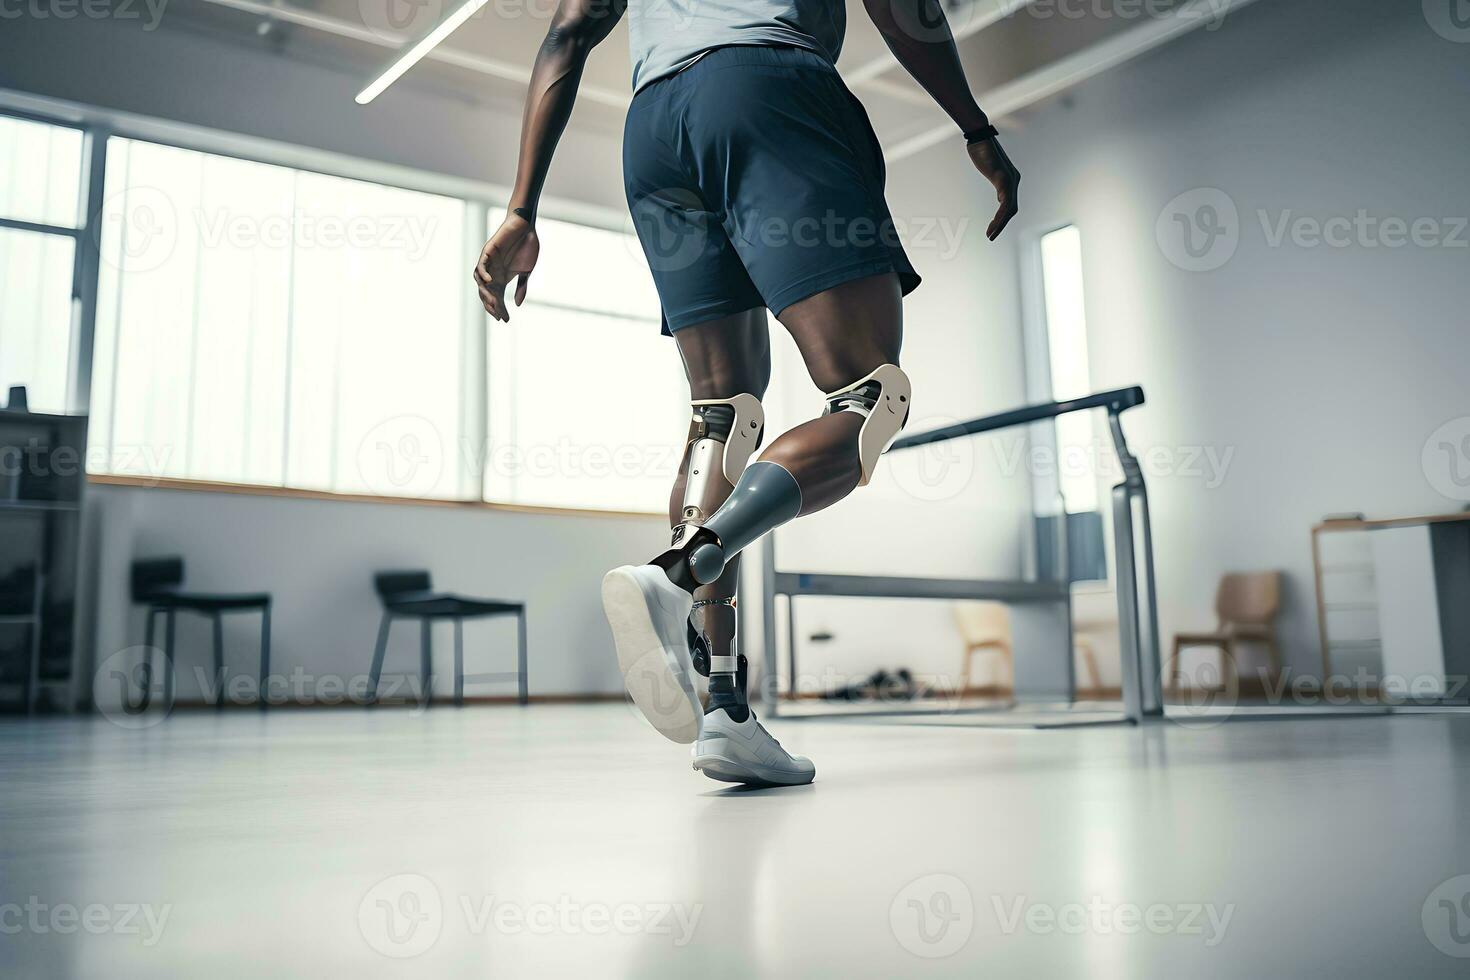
[
  {"x": 727, "y": 356},
  {"x": 846, "y": 332}
]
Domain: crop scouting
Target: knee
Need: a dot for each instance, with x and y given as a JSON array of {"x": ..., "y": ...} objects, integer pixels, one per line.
[{"x": 838, "y": 370}]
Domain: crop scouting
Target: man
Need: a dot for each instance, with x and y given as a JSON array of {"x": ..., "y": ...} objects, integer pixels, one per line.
[{"x": 756, "y": 183}]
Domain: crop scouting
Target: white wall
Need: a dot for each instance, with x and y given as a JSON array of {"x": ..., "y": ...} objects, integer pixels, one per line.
[
  {"x": 1323, "y": 370},
  {"x": 317, "y": 558},
  {"x": 962, "y": 350}
]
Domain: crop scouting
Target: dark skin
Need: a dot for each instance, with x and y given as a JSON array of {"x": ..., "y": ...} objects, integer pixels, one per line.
[
  {"x": 722, "y": 358},
  {"x": 929, "y": 55},
  {"x": 843, "y": 333}
]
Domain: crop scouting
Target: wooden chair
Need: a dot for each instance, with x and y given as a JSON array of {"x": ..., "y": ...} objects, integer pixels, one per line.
[
  {"x": 986, "y": 626},
  {"x": 1246, "y": 605}
]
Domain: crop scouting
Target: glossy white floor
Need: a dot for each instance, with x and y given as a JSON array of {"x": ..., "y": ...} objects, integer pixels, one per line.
[{"x": 560, "y": 840}]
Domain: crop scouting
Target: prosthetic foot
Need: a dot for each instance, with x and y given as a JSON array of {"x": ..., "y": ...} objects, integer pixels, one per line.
[{"x": 744, "y": 752}]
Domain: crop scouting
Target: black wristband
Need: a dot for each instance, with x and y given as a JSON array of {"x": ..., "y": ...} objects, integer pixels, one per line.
[
  {"x": 986, "y": 132},
  {"x": 525, "y": 213}
]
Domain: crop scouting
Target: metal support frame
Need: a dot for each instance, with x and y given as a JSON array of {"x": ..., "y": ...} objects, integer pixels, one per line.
[{"x": 1137, "y": 601}]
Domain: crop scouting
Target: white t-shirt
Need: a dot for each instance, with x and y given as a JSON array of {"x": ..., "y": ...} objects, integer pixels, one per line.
[{"x": 667, "y": 36}]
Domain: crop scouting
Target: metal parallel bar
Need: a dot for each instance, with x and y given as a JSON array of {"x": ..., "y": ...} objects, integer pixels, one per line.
[
  {"x": 1138, "y": 630},
  {"x": 899, "y": 587},
  {"x": 1114, "y": 401},
  {"x": 1137, "y": 614}
]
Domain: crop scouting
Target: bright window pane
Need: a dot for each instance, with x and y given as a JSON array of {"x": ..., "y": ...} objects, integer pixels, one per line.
[
  {"x": 1066, "y": 328},
  {"x": 264, "y": 325},
  {"x": 42, "y": 167},
  {"x": 36, "y": 316},
  {"x": 585, "y": 411},
  {"x": 593, "y": 269}
]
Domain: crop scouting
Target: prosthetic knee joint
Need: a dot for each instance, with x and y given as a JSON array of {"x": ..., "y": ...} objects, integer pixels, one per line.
[
  {"x": 723, "y": 435},
  {"x": 882, "y": 399}
]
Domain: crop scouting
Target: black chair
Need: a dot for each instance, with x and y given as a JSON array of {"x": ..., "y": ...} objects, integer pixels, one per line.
[
  {"x": 156, "y": 584},
  {"x": 410, "y": 595}
]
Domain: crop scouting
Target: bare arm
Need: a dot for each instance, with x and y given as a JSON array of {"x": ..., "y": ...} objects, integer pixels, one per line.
[
  {"x": 577, "y": 27},
  {"x": 918, "y": 34}
]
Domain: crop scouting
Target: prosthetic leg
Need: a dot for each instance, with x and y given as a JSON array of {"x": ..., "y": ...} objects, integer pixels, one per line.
[
  {"x": 767, "y": 495},
  {"x": 723, "y": 435}
]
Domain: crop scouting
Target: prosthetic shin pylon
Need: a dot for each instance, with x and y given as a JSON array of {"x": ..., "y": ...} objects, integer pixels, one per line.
[{"x": 723, "y": 435}]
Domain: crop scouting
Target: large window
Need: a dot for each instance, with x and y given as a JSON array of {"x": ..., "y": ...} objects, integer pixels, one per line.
[
  {"x": 587, "y": 402},
  {"x": 265, "y": 325},
  {"x": 1066, "y": 333},
  {"x": 40, "y": 205},
  {"x": 1056, "y": 343}
]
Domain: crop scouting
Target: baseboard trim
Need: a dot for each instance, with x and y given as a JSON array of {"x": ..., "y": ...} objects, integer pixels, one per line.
[{"x": 199, "y": 704}]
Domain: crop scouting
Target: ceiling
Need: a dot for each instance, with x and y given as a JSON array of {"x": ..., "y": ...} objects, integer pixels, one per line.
[{"x": 1015, "y": 52}]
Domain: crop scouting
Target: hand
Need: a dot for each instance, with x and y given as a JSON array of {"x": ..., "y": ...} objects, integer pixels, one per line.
[
  {"x": 510, "y": 253},
  {"x": 996, "y": 167}
]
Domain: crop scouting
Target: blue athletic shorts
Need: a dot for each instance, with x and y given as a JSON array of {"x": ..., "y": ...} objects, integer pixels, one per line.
[{"x": 755, "y": 179}]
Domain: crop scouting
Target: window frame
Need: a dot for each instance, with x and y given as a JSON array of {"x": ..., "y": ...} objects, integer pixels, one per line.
[
  {"x": 1046, "y": 488},
  {"x": 84, "y": 274},
  {"x": 98, "y": 126}
]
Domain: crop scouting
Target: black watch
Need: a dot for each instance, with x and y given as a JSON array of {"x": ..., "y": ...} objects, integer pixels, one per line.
[{"x": 986, "y": 132}]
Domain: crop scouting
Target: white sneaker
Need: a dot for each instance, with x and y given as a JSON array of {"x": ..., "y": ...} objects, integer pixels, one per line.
[
  {"x": 744, "y": 752},
  {"x": 649, "y": 616}
]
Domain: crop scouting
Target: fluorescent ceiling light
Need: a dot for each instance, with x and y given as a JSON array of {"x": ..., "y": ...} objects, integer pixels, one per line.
[{"x": 416, "y": 51}]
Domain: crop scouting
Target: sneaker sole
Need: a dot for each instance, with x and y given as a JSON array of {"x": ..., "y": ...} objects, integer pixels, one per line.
[
  {"x": 648, "y": 675},
  {"x": 727, "y": 770}
]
